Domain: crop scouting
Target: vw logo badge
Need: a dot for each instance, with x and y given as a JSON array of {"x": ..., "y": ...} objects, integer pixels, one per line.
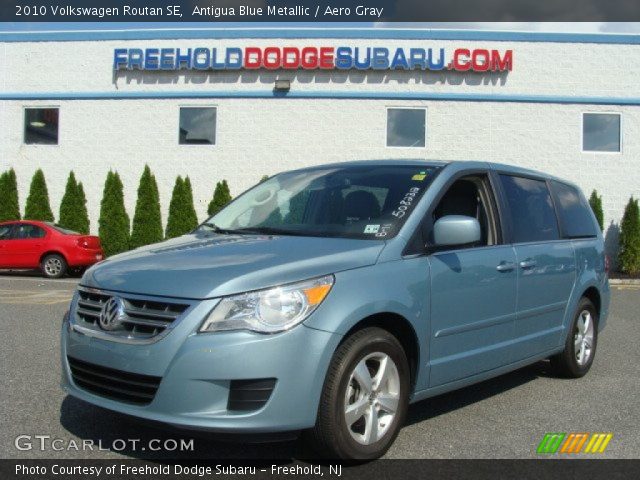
[{"x": 111, "y": 314}]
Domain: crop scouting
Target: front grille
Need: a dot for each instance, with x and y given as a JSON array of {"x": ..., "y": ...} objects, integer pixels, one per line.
[
  {"x": 115, "y": 384},
  {"x": 247, "y": 395},
  {"x": 143, "y": 318}
]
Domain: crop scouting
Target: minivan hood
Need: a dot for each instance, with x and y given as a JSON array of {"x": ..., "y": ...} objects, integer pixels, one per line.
[{"x": 207, "y": 265}]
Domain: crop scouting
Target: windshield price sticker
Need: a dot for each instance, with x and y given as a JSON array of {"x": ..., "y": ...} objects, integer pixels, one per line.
[{"x": 406, "y": 203}]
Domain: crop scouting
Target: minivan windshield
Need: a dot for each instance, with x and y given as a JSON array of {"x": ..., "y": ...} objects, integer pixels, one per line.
[{"x": 365, "y": 201}]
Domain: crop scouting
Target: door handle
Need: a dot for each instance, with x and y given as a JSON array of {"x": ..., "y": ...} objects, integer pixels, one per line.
[
  {"x": 528, "y": 263},
  {"x": 505, "y": 267}
]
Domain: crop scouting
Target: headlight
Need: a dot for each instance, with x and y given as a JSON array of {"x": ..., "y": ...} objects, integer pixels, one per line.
[{"x": 271, "y": 310}]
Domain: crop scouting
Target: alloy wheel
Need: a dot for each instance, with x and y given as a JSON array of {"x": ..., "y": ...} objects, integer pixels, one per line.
[
  {"x": 53, "y": 266},
  {"x": 583, "y": 338},
  {"x": 372, "y": 398}
]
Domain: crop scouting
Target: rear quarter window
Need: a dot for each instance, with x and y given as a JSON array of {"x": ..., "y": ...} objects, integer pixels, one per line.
[
  {"x": 530, "y": 208},
  {"x": 576, "y": 220}
]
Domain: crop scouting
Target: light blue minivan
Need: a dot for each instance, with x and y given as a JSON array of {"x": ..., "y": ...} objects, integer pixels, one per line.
[{"x": 325, "y": 300}]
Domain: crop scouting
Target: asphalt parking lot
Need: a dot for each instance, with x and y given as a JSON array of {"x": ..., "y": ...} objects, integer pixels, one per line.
[{"x": 502, "y": 418}]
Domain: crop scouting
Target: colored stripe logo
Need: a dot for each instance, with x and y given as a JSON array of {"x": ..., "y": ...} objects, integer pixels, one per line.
[{"x": 572, "y": 443}]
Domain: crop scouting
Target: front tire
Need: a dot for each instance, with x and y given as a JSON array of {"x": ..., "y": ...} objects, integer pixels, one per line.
[
  {"x": 364, "y": 399},
  {"x": 53, "y": 266},
  {"x": 580, "y": 347}
]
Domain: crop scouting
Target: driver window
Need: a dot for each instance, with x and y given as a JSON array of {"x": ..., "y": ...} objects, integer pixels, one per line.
[{"x": 472, "y": 197}]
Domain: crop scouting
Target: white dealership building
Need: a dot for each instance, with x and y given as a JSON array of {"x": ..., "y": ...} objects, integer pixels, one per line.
[{"x": 239, "y": 104}]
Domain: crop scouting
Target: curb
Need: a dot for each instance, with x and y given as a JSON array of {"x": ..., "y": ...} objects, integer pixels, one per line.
[{"x": 624, "y": 281}]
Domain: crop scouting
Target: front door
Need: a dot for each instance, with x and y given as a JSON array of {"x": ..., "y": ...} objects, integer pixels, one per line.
[
  {"x": 27, "y": 245},
  {"x": 473, "y": 291}
]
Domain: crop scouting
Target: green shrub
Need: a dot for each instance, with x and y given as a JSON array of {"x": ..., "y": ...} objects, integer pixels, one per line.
[
  {"x": 147, "y": 219},
  {"x": 113, "y": 225},
  {"x": 190, "y": 215},
  {"x": 182, "y": 215},
  {"x": 221, "y": 196},
  {"x": 596, "y": 205},
  {"x": 9, "y": 207},
  {"x": 37, "y": 207},
  {"x": 264, "y": 178},
  {"x": 173, "y": 219},
  {"x": 629, "y": 255},
  {"x": 83, "y": 223},
  {"x": 73, "y": 208}
]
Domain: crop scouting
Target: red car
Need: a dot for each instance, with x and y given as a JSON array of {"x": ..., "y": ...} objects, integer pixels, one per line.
[{"x": 30, "y": 244}]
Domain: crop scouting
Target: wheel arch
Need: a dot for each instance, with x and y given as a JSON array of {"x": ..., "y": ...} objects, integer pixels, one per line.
[
  {"x": 52, "y": 252},
  {"x": 398, "y": 326},
  {"x": 593, "y": 294}
]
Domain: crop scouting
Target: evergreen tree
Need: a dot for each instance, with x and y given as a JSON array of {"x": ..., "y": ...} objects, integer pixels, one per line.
[
  {"x": 9, "y": 208},
  {"x": 147, "y": 220},
  {"x": 84, "y": 225},
  {"x": 596, "y": 205},
  {"x": 73, "y": 208},
  {"x": 113, "y": 225},
  {"x": 174, "y": 227},
  {"x": 629, "y": 256},
  {"x": 221, "y": 196},
  {"x": 69, "y": 204},
  {"x": 37, "y": 207},
  {"x": 182, "y": 215},
  {"x": 190, "y": 215},
  {"x": 4, "y": 196}
]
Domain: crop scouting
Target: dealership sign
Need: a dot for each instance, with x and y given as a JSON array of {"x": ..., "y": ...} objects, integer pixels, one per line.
[{"x": 312, "y": 58}]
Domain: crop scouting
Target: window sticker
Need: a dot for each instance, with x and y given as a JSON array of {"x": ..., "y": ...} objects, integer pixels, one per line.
[
  {"x": 419, "y": 177},
  {"x": 371, "y": 229},
  {"x": 384, "y": 230},
  {"x": 406, "y": 203}
]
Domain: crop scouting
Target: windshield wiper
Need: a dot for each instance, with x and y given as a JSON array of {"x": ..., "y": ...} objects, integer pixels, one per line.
[
  {"x": 224, "y": 231},
  {"x": 256, "y": 231},
  {"x": 273, "y": 231}
]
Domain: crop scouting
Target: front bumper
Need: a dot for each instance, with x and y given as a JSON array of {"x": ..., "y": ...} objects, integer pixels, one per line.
[{"x": 197, "y": 370}]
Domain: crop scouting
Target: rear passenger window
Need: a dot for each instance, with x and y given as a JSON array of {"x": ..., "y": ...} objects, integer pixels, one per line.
[
  {"x": 575, "y": 215},
  {"x": 533, "y": 217},
  {"x": 27, "y": 231}
]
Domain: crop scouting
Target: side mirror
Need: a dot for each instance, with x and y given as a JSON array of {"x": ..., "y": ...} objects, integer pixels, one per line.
[{"x": 456, "y": 230}]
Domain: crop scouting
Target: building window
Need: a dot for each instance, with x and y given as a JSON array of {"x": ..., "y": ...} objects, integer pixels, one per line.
[
  {"x": 41, "y": 126},
  {"x": 601, "y": 132},
  {"x": 197, "y": 126},
  {"x": 406, "y": 127}
]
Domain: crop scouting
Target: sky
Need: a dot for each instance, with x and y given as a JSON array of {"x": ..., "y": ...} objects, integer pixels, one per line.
[{"x": 582, "y": 27}]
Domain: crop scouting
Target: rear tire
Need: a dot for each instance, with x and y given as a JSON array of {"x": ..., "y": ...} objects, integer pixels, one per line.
[
  {"x": 53, "y": 266},
  {"x": 364, "y": 399},
  {"x": 580, "y": 347}
]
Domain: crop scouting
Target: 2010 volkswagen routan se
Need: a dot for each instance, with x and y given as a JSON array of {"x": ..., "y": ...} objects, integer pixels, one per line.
[{"x": 327, "y": 299}]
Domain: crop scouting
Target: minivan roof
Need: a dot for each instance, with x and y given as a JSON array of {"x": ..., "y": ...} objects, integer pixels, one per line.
[{"x": 417, "y": 162}]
